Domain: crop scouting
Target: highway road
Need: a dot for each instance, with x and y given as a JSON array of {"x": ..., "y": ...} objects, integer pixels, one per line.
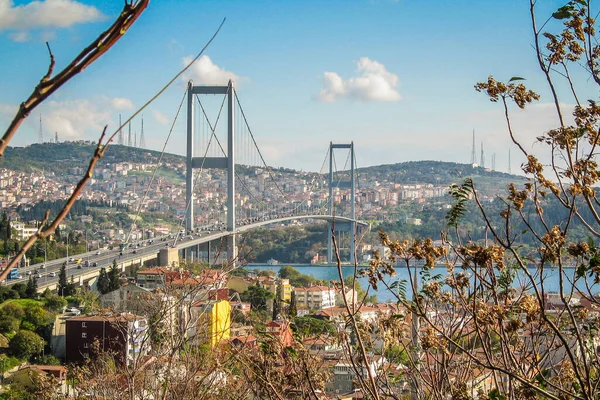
[{"x": 103, "y": 258}]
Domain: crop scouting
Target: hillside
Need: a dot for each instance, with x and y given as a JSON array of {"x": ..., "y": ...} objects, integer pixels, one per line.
[
  {"x": 56, "y": 157},
  {"x": 439, "y": 173}
]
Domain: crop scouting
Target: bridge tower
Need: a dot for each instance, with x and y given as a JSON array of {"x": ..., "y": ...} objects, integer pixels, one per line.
[
  {"x": 227, "y": 162},
  {"x": 339, "y": 226}
]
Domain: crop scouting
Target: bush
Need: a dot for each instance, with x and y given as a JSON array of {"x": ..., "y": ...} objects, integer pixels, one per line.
[
  {"x": 25, "y": 344},
  {"x": 54, "y": 302}
]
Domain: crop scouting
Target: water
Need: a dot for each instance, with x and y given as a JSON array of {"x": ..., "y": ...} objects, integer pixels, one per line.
[{"x": 550, "y": 279}]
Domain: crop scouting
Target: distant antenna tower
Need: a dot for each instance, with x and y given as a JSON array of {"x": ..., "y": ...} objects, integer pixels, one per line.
[
  {"x": 142, "y": 139},
  {"x": 473, "y": 156},
  {"x": 494, "y": 162},
  {"x": 129, "y": 138},
  {"x": 482, "y": 159},
  {"x": 55, "y": 137},
  {"x": 41, "y": 136},
  {"x": 120, "y": 131},
  {"x": 509, "y": 162}
]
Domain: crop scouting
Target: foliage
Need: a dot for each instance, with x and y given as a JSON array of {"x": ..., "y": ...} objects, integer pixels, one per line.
[
  {"x": 26, "y": 344},
  {"x": 103, "y": 283},
  {"x": 87, "y": 300},
  {"x": 63, "y": 285},
  {"x": 310, "y": 326},
  {"x": 20, "y": 291},
  {"x": 296, "y": 278},
  {"x": 114, "y": 277},
  {"x": 31, "y": 289},
  {"x": 257, "y": 296},
  {"x": 277, "y": 304},
  {"x": 293, "y": 308},
  {"x": 54, "y": 302},
  {"x": 37, "y": 316}
]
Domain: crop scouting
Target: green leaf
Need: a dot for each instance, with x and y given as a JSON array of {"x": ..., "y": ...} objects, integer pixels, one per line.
[
  {"x": 292, "y": 351},
  {"x": 563, "y": 12},
  {"x": 516, "y": 78}
]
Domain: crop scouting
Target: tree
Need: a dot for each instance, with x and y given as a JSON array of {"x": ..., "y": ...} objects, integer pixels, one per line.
[
  {"x": 277, "y": 311},
  {"x": 31, "y": 289},
  {"x": 114, "y": 277},
  {"x": 37, "y": 316},
  {"x": 293, "y": 309},
  {"x": 103, "y": 283},
  {"x": 26, "y": 344},
  {"x": 62, "y": 280},
  {"x": 530, "y": 343},
  {"x": 50, "y": 83},
  {"x": 257, "y": 296},
  {"x": 54, "y": 302},
  {"x": 310, "y": 326}
]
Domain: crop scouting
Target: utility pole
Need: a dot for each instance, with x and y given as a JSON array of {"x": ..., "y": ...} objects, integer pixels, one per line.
[
  {"x": 41, "y": 134},
  {"x": 482, "y": 158},
  {"x": 120, "y": 139},
  {"x": 473, "y": 155}
]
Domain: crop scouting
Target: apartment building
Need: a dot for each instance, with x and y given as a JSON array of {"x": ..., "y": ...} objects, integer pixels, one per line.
[
  {"x": 315, "y": 297},
  {"x": 125, "y": 335}
]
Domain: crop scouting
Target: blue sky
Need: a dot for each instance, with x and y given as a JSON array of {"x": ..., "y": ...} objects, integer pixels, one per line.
[{"x": 395, "y": 77}]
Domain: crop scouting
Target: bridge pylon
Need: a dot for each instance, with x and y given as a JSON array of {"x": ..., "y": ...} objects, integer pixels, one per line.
[
  {"x": 226, "y": 162},
  {"x": 339, "y": 226}
]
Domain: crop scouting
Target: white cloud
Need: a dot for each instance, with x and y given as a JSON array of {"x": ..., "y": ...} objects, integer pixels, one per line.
[
  {"x": 74, "y": 119},
  {"x": 121, "y": 103},
  {"x": 21, "y": 36},
  {"x": 373, "y": 83},
  {"x": 45, "y": 14},
  {"x": 160, "y": 117},
  {"x": 205, "y": 72}
]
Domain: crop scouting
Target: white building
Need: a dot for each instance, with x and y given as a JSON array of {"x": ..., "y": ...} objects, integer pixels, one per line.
[{"x": 315, "y": 297}]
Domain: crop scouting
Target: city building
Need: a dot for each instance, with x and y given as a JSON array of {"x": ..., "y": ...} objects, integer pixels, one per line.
[
  {"x": 315, "y": 297},
  {"x": 211, "y": 322},
  {"x": 123, "y": 335}
]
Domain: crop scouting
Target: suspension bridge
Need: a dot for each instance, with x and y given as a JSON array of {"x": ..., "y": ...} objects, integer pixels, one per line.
[{"x": 255, "y": 194}]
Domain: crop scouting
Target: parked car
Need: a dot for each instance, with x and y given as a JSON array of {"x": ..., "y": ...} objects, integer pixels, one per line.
[
  {"x": 94, "y": 264},
  {"x": 72, "y": 259},
  {"x": 43, "y": 266},
  {"x": 52, "y": 274},
  {"x": 98, "y": 253}
]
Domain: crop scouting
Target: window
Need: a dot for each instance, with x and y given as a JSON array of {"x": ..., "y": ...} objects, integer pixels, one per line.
[{"x": 83, "y": 335}]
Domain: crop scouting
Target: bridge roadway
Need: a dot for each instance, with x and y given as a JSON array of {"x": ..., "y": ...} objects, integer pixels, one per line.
[{"x": 47, "y": 277}]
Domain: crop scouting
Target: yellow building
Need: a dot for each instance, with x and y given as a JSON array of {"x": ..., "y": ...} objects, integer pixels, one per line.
[
  {"x": 271, "y": 285},
  {"x": 213, "y": 321}
]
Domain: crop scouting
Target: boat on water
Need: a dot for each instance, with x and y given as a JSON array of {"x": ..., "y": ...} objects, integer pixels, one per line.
[{"x": 272, "y": 261}]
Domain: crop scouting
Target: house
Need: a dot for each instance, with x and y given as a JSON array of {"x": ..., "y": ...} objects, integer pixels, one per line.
[
  {"x": 281, "y": 331},
  {"x": 350, "y": 294},
  {"x": 25, "y": 376},
  {"x": 123, "y": 334},
  {"x": 345, "y": 374},
  {"x": 158, "y": 277},
  {"x": 126, "y": 298},
  {"x": 315, "y": 297}
]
